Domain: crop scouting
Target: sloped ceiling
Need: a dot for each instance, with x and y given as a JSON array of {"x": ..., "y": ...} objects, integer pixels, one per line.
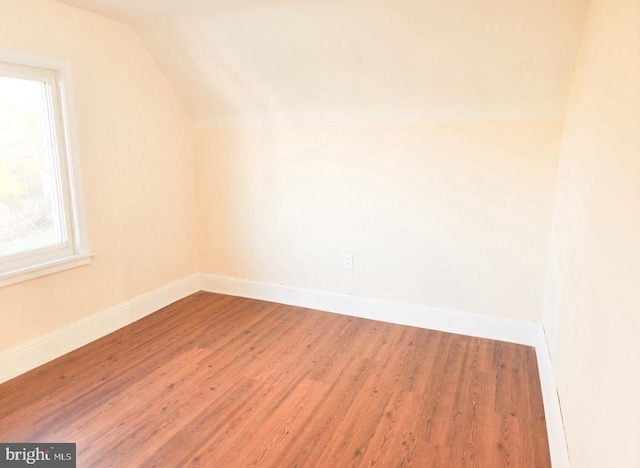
[{"x": 338, "y": 62}]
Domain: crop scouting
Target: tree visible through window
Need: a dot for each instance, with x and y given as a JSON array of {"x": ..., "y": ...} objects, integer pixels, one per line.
[
  {"x": 29, "y": 192},
  {"x": 41, "y": 223}
]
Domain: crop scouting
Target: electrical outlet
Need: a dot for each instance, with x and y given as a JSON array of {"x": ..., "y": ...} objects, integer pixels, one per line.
[{"x": 347, "y": 261}]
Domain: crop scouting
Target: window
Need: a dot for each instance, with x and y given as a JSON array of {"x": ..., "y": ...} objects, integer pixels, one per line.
[{"x": 42, "y": 228}]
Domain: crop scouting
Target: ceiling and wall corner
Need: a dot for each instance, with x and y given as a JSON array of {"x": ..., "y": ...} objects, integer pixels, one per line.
[
  {"x": 592, "y": 313},
  {"x": 423, "y": 137},
  {"x": 239, "y": 63},
  {"x": 136, "y": 151},
  {"x": 414, "y": 127}
]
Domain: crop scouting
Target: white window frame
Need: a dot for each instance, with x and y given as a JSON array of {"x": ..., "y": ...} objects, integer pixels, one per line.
[{"x": 74, "y": 251}]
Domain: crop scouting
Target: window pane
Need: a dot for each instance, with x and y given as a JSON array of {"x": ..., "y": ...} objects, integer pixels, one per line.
[{"x": 30, "y": 214}]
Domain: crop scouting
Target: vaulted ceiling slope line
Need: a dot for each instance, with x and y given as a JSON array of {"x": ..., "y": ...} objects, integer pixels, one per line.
[{"x": 335, "y": 62}]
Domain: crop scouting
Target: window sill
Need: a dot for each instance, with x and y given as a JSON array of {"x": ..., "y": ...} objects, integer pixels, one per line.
[{"x": 34, "y": 271}]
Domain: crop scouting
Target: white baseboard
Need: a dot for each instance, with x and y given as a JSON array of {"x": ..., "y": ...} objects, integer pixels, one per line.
[
  {"x": 483, "y": 326},
  {"x": 552, "y": 411},
  {"x": 46, "y": 348},
  {"x": 34, "y": 353},
  {"x": 524, "y": 332}
]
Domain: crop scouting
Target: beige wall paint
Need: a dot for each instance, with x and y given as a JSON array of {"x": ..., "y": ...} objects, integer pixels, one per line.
[
  {"x": 245, "y": 63},
  {"x": 592, "y": 313},
  {"x": 453, "y": 215},
  {"x": 137, "y": 161}
]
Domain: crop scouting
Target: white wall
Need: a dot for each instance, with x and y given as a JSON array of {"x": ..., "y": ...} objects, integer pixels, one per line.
[
  {"x": 136, "y": 140},
  {"x": 420, "y": 136},
  {"x": 240, "y": 63},
  {"x": 452, "y": 215},
  {"x": 592, "y": 313},
  {"x": 442, "y": 212}
]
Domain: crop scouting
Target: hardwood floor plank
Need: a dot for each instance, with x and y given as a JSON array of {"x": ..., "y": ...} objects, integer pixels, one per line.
[
  {"x": 279, "y": 419},
  {"x": 307, "y": 446},
  {"x": 215, "y": 380},
  {"x": 394, "y": 441}
]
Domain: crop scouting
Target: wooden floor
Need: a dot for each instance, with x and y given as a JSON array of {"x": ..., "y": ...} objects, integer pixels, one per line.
[{"x": 220, "y": 381}]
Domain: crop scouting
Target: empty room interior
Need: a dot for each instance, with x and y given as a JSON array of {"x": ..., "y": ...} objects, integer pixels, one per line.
[{"x": 322, "y": 232}]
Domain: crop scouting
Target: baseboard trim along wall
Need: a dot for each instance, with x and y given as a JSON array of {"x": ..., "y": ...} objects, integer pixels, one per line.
[
  {"x": 524, "y": 332},
  {"x": 34, "y": 353},
  {"x": 552, "y": 411},
  {"x": 46, "y": 348},
  {"x": 483, "y": 326}
]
